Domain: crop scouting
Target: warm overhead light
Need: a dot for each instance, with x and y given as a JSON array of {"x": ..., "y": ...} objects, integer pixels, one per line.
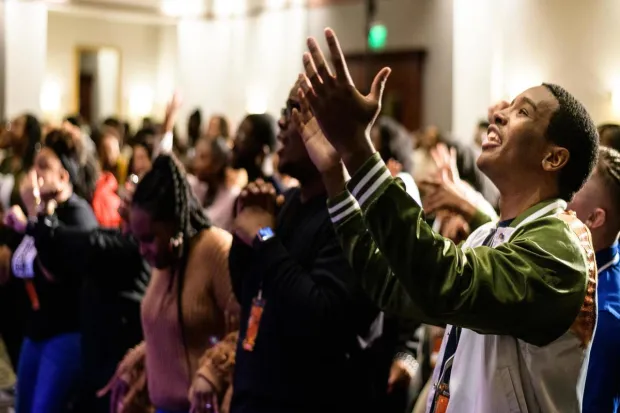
[
  {"x": 275, "y": 4},
  {"x": 615, "y": 101},
  {"x": 183, "y": 8},
  {"x": 141, "y": 101},
  {"x": 256, "y": 101},
  {"x": 229, "y": 8},
  {"x": 51, "y": 96}
]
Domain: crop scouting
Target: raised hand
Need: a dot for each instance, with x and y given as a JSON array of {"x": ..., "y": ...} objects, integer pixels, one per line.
[
  {"x": 445, "y": 159},
  {"x": 322, "y": 153},
  {"x": 344, "y": 114},
  {"x": 172, "y": 110}
]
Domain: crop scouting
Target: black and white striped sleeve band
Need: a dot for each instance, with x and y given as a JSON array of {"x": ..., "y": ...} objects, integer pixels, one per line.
[
  {"x": 369, "y": 181},
  {"x": 364, "y": 187},
  {"x": 341, "y": 207}
]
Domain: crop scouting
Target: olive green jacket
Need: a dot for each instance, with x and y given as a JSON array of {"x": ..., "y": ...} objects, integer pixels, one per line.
[{"x": 524, "y": 292}]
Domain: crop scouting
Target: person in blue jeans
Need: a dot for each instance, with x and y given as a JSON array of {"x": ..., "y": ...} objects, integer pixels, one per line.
[
  {"x": 48, "y": 376},
  {"x": 597, "y": 205}
]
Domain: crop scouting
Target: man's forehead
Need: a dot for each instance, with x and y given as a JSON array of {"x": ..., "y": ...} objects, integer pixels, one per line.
[{"x": 541, "y": 97}]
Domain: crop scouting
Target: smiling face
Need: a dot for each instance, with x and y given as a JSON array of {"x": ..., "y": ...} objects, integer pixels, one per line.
[{"x": 516, "y": 146}]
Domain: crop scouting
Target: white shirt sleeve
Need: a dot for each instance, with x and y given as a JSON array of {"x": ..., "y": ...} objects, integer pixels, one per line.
[{"x": 166, "y": 144}]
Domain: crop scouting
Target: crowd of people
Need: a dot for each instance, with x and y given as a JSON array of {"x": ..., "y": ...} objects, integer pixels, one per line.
[{"x": 326, "y": 261}]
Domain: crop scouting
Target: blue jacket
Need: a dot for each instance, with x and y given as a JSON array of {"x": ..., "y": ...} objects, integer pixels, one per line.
[{"x": 602, "y": 391}]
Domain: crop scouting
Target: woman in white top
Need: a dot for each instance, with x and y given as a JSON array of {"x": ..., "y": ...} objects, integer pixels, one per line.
[{"x": 212, "y": 182}]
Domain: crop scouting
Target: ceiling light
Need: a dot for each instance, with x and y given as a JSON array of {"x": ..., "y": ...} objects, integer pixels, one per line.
[
  {"x": 183, "y": 8},
  {"x": 229, "y": 8}
]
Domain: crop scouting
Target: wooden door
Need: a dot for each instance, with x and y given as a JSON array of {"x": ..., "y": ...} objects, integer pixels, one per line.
[
  {"x": 402, "y": 98},
  {"x": 86, "y": 96}
]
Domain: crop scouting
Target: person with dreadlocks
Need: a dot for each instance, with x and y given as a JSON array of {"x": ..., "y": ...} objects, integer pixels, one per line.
[{"x": 189, "y": 303}]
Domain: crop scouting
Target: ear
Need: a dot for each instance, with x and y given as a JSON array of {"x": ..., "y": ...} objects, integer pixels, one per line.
[
  {"x": 555, "y": 159},
  {"x": 596, "y": 219},
  {"x": 64, "y": 175}
]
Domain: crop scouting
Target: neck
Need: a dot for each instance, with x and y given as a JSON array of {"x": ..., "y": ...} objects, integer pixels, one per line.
[
  {"x": 311, "y": 188},
  {"x": 601, "y": 241},
  {"x": 514, "y": 203}
]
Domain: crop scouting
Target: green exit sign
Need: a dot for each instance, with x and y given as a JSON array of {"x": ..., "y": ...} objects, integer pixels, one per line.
[{"x": 377, "y": 36}]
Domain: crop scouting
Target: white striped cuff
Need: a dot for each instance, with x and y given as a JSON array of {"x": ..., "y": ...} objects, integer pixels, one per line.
[
  {"x": 369, "y": 180},
  {"x": 341, "y": 207}
]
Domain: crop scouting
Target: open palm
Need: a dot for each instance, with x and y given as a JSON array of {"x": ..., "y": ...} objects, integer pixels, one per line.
[
  {"x": 322, "y": 153},
  {"x": 344, "y": 114}
]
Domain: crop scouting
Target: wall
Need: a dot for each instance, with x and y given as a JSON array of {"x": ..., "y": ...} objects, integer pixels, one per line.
[
  {"x": 25, "y": 27},
  {"x": 503, "y": 47},
  {"x": 253, "y": 62},
  {"x": 138, "y": 45},
  {"x": 108, "y": 72}
]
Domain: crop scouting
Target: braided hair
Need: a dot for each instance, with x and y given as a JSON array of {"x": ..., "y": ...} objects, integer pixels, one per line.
[{"x": 166, "y": 196}]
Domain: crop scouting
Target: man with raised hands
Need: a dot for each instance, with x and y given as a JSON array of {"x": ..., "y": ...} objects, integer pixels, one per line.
[{"x": 518, "y": 295}]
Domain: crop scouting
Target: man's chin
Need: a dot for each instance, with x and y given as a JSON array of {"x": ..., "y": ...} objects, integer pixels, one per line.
[{"x": 485, "y": 161}]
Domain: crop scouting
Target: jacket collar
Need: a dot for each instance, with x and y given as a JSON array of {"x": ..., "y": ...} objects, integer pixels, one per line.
[{"x": 542, "y": 209}]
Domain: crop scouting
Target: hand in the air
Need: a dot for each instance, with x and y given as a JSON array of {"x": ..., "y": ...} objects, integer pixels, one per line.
[
  {"x": 202, "y": 396},
  {"x": 30, "y": 192},
  {"x": 344, "y": 114},
  {"x": 446, "y": 161},
  {"x": 172, "y": 110},
  {"x": 322, "y": 153}
]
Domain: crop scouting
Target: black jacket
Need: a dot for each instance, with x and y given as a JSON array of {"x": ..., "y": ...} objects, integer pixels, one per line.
[
  {"x": 320, "y": 345},
  {"x": 113, "y": 277}
]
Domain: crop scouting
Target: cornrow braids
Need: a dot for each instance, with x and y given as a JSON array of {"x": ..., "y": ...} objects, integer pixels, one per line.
[
  {"x": 608, "y": 168},
  {"x": 166, "y": 195}
]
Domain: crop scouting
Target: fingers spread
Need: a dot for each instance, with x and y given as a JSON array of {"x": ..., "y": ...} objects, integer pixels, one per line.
[
  {"x": 378, "y": 84},
  {"x": 312, "y": 73},
  {"x": 319, "y": 61},
  {"x": 340, "y": 65}
]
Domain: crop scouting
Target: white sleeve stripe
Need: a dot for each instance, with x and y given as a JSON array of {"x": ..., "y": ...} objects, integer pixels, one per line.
[
  {"x": 342, "y": 204},
  {"x": 349, "y": 211},
  {"x": 366, "y": 178},
  {"x": 371, "y": 190}
]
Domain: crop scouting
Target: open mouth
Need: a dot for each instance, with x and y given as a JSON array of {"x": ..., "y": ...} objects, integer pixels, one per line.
[{"x": 493, "y": 138}]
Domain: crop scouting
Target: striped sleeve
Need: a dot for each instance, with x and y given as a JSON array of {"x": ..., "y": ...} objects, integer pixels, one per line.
[
  {"x": 370, "y": 181},
  {"x": 342, "y": 207}
]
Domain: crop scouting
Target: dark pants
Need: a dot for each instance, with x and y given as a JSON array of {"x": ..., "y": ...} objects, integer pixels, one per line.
[{"x": 49, "y": 373}]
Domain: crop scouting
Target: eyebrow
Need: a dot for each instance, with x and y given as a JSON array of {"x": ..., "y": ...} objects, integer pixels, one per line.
[{"x": 528, "y": 101}]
